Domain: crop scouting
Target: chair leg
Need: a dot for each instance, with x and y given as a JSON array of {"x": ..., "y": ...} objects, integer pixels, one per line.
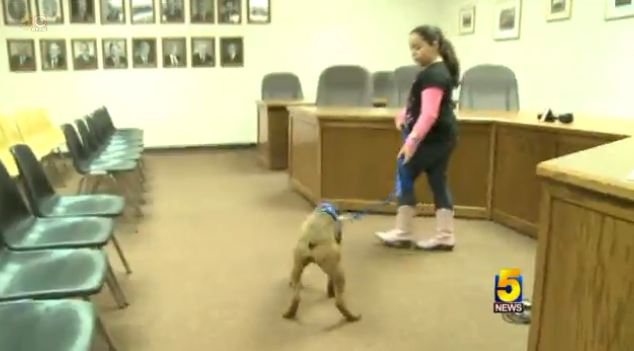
[
  {"x": 80, "y": 187},
  {"x": 127, "y": 193},
  {"x": 124, "y": 261},
  {"x": 114, "y": 286},
  {"x": 104, "y": 334},
  {"x": 95, "y": 185},
  {"x": 58, "y": 174}
]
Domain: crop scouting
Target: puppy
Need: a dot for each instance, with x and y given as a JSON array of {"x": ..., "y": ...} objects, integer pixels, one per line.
[{"x": 320, "y": 244}]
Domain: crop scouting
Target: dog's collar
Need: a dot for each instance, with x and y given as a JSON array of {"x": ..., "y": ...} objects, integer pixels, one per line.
[{"x": 329, "y": 209}]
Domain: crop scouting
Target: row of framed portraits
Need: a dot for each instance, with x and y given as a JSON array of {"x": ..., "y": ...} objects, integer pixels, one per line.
[
  {"x": 508, "y": 13},
  {"x": 50, "y": 12},
  {"x": 114, "y": 54}
]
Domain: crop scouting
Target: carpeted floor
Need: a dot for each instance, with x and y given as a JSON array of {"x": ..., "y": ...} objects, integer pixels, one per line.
[{"x": 212, "y": 258}]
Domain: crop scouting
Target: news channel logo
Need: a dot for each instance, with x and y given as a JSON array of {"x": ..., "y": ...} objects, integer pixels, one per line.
[
  {"x": 508, "y": 291},
  {"x": 39, "y": 24}
]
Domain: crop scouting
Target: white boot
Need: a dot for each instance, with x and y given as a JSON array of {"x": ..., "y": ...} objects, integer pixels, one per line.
[
  {"x": 444, "y": 238},
  {"x": 402, "y": 233}
]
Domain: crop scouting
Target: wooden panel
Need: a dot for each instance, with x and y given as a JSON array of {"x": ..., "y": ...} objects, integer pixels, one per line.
[
  {"x": 273, "y": 136},
  {"x": 588, "y": 284},
  {"x": 304, "y": 154},
  {"x": 569, "y": 143},
  {"x": 359, "y": 160},
  {"x": 263, "y": 135},
  {"x": 516, "y": 189}
]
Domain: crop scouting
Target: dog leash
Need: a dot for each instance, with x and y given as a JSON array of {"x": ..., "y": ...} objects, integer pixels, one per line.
[{"x": 398, "y": 186}]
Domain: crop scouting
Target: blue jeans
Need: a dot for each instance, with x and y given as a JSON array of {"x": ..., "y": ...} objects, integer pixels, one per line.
[{"x": 432, "y": 159}]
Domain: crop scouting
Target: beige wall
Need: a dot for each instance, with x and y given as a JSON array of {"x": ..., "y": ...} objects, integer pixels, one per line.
[{"x": 214, "y": 106}]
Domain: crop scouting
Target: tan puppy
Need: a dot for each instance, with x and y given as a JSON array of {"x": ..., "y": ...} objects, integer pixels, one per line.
[{"x": 320, "y": 244}]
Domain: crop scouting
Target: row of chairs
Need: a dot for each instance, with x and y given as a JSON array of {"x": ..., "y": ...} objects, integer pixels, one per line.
[
  {"x": 51, "y": 245},
  {"x": 482, "y": 87}
]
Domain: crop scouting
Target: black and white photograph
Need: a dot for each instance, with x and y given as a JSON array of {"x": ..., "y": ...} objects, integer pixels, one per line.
[
  {"x": 50, "y": 10},
  {"x": 507, "y": 17},
  {"x": 466, "y": 24},
  {"x": 258, "y": 11},
  {"x": 229, "y": 11},
  {"x": 82, "y": 11},
  {"x": 17, "y": 12},
  {"x": 232, "y": 52},
  {"x": 115, "y": 53},
  {"x": 174, "y": 52},
  {"x": 617, "y": 9},
  {"x": 112, "y": 12},
  {"x": 203, "y": 52},
  {"x": 21, "y": 54},
  {"x": 84, "y": 54},
  {"x": 558, "y": 9},
  {"x": 172, "y": 11},
  {"x": 142, "y": 11},
  {"x": 53, "y": 54},
  {"x": 202, "y": 11},
  {"x": 143, "y": 52}
]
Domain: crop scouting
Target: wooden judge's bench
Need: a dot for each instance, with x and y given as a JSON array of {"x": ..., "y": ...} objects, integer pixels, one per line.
[{"x": 578, "y": 204}]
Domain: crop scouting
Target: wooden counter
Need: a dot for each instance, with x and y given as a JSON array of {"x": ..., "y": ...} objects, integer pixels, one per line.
[
  {"x": 583, "y": 297},
  {"x": 347, "y": 155},
  {"x": 273, "y": 132}
]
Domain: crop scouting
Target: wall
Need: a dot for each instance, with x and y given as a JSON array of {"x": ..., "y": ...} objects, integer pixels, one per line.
[
  {"x": 583, "y": 64},
  {"x": 215, "y": 106}
]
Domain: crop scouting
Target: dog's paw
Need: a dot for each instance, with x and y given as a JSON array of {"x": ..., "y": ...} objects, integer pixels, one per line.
[
  {"x": 353, "y": 318},
  {"x": 289, "y": 315}
]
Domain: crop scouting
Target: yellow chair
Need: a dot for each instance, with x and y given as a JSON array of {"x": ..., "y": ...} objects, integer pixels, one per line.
[
  {"x": 54, "y": 135},
  {"x": 33, "y": 132},
  {"x": 5, "y": 155}
]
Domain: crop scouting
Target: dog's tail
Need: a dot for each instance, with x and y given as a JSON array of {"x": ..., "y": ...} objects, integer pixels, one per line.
[{"x": 317, "y": 229}]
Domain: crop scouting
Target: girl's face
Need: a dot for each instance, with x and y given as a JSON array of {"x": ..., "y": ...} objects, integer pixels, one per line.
[{"x": 422, "y": 52}]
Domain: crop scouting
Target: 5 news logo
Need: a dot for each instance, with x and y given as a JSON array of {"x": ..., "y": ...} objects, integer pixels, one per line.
[{"x": 508, "y": 291}]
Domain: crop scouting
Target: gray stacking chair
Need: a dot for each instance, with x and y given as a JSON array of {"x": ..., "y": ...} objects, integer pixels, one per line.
[
  {"x": 345, "y": 85},
  {"x": 489, "y": 87},
  {"x": 281, "y": 85},
  {"x": 383, "y": 84},
  {"x": 404, "y": 76}
]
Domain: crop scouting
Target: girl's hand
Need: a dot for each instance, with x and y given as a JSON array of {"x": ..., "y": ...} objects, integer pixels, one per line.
[
  {"x": 406, "y": 152},
  {"x": 399, "y": 125}
]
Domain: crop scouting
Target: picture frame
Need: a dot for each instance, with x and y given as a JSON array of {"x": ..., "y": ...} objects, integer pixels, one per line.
[
  {"x": 142, "y": 12},
  {"x": 618, "y": 9},
  {"x": 17, "y": 12},
  {"x": 81, "y": 11},
  {"x": 53, "y": 55},
  {"x": 144, "y": 53},
  {"x": 202, "y": 11},
  {"x": 112, "y": 12},
  {"x": 50, "y": 11},
  {"x": 557, "y": 10},
  {"x": 174, "y": 52},
  {"x": 466, "y": 20},
  {"x": 259, "y": 11},
  {"x": 84, "y": 54},
  {"x": 232, "y": 52},
  {"x": 172, "y": 11},
  {"x": 507, "y": 19},
  {"x": 203, "y": 51},
  {"x": 229, "y": 11},
  {"x": 115, "y": 53},
  {"x": 21, "y": 55}
]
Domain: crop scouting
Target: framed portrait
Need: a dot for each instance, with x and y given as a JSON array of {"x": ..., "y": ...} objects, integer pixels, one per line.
[
  {"x": 202, "y": 11},
  {"x": 115, "y": 53},
  {"x": 174, "y": 52},
  {"x": 230, "y": 11},
  {"x": 259, "y": 11},
  {"x": 616, "y": 9},
  {"x": 144, "y": 52},
  {"x": 203, "y": 51},
  {"x": 466, "y": 20},
  {"x": 508, "y": 15},
  {"x": 50, "y": 11},
  {"x": 112, "y": 12},
  {"x": 53, "y": 54},
  {"x": 232, "y": 52},
  {"x": 17, "y": 12},
  {"x": 84, "y": 54},
  {"x": 557, "y": 10},
  {"x": 21, "y": 54},
  {"x": 82, "y": 11},
  {"x": 142, "y": 11},
  {"x": 172, "y": 11}
]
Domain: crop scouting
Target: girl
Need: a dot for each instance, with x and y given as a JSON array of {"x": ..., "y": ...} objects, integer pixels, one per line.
[{"x": 428, "y": 125}]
